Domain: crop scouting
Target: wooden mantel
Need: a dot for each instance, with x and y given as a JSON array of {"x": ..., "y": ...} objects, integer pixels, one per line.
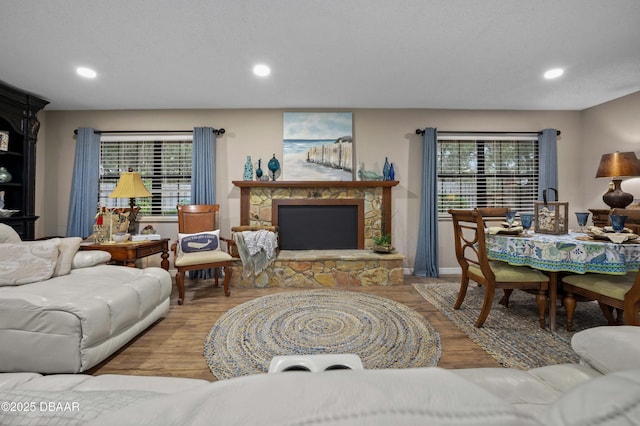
[
  {"x": 246, "y": 185},
  {"x": 315, "y": 183}
]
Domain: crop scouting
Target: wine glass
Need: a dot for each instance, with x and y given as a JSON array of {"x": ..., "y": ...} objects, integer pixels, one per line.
[
  {"x": 526, "y": 219},
  {"x": 510, "y": 217},
  {"x": 582, "y": 220},
  {"x": 617, "y": 222}
]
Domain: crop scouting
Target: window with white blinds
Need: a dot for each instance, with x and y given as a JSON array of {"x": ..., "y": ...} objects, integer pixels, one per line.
[
  {"x": 487, "y": 172},
  {"x": 164, "y": 163}
]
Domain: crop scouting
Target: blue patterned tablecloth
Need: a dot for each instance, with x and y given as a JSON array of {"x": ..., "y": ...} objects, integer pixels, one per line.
[{"x": 565, "y": 253}]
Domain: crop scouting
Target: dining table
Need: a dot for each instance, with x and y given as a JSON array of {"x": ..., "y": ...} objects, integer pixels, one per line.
[{"x": 575, "y": 252}]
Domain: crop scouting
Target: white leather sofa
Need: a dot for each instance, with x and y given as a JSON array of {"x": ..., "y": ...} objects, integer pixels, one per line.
[
  {"x": 604, "y": 390},
  {"x": 64, "y": 310}
]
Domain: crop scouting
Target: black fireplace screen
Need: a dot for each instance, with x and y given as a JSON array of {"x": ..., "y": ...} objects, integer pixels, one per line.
[{"x": 318, "y": 227}]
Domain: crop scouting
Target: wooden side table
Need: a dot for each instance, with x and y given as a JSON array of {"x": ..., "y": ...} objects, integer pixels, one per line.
[{"x": 127, "y": 253}]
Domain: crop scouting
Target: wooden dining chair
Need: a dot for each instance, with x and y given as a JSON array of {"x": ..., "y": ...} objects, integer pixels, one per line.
[
  {"x": 491, "y": 216},
  {"x": 195, "y": 250},
  {"x": 471, "y": 253},
  {"x": 620, "y": 292}
]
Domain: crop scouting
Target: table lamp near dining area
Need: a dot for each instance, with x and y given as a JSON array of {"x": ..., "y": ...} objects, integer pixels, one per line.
[
  {"x": 130, "y": 186},
  {"x": 616, "y": 166}
]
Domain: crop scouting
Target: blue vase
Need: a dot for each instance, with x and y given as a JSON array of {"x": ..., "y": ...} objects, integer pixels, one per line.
[
  {"x": 385, "y": 169},
  {"x": 274, "y": 166},
  {"x": 259, "y": 169},
  {"x": 392, "y": 173},
  {"x": 248, "y": 169}
]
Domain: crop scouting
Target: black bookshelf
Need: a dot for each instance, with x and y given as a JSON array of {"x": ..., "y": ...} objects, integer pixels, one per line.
[{"x": 18, "y": 122}]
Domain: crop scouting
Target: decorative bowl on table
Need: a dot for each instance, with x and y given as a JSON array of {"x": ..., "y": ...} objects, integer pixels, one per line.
[
  {"x": 7, "y": 212},
  {"x": 120, "y": 237}
]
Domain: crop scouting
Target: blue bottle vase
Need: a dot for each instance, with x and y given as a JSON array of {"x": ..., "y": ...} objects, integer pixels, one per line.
[
  {"x": 385, "y": 169},
  {"x": 259, "y": 169},
  {"x": 248, "y": 169}
]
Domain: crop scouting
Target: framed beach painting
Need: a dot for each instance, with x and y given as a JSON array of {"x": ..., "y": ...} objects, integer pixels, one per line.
[{"x": 317, "y": 146}]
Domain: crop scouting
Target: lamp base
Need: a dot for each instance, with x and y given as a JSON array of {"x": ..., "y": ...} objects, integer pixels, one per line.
[
  {"x": 131, "y": 229},
  {"x": 616, "y": 197}
]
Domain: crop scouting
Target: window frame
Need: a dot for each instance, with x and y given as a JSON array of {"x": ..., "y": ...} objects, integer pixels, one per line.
[
  {"x": 158, "y": 208},
  {"x": 518, "y": 202}
]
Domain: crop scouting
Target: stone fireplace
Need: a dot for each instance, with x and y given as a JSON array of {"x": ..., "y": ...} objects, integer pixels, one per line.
[
  {"x": 259, "y": 202},
  {"x": 364, "y": 207}
]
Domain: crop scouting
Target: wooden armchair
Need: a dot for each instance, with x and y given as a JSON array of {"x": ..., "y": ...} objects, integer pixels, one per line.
[
  {"x": 471, "y": 252},
  {"x": 193, "y": 219},
  {"x": 620, "y": 292}
]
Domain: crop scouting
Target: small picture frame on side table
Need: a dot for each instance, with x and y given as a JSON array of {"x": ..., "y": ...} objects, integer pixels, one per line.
[{"x": 4, "y": 140}]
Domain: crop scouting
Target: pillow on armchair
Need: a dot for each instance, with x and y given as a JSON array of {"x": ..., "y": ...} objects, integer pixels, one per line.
[{"x": 198, "y": 242}]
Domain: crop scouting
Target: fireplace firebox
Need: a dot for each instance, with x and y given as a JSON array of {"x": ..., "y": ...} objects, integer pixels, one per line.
[{"x": 323, "y": 224}]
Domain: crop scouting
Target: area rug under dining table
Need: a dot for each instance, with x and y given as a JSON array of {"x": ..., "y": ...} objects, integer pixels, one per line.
[
  {"x": 512, "y": 335},
  {"x": 382, "y": 332}
]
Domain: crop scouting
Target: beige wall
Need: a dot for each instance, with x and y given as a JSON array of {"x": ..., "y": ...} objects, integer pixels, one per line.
[
  {"x": 609, "y": 127},
  {"x": 377, "y": 133}
]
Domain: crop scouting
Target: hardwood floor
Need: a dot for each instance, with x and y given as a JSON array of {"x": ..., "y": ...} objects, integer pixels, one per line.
[{"x": 173, "y": 346}]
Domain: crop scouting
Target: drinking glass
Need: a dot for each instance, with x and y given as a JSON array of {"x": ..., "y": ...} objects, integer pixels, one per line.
[
  {"x": 510, "y": 217},
  {"x": 526, "y": 219},
  {"x": 617, "y": 222},
  {"x": 582, "y": 220}
]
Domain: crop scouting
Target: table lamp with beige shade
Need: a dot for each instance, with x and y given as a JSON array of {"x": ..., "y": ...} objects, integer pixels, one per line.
[
  {"x": 616, "y": 166},
  {"x": 130, "y": 186}
]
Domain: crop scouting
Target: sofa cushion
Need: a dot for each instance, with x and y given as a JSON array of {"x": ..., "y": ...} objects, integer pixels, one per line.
[
  {"x": 28, "y": 262},
  {"x": 67, "y": 250},
  {"x": 70, "y": 407},
  {"x": 529, "y": 391},
  {"x": 103, "y": 382},
  {"x": 608, "y": 349},
  {"x": 86, "y": 259},
  {"x": 200, "y": 241},
  {"x": 78, "y": 319},
  {"x": 425, "y": 396},
  {"x": 608, "y": 400}
]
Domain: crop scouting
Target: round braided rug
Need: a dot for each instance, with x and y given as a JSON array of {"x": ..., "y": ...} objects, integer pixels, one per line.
[{"x": 384, "y": 333}]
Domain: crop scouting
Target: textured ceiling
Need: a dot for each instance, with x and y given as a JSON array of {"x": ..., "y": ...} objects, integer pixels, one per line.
[{"x": 471, "y": 54}]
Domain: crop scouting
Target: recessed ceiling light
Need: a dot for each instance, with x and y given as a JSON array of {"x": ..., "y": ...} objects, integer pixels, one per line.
[
  {"x": 553, "y": 73},
  {"x": 86, "y": 72},
  {"x": 261, "y": 70}
]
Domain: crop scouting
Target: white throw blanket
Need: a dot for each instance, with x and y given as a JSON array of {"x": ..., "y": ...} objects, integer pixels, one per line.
[{"x": 257, "y": 250}]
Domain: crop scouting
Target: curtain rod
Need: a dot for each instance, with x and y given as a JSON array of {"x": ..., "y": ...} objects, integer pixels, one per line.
[
  {"x": 218, "y": 132},
  {"x": 421, "y": 132}
]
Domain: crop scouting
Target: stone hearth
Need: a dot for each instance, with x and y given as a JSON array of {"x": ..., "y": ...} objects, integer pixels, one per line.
[{"x": 325, "y": 268}]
